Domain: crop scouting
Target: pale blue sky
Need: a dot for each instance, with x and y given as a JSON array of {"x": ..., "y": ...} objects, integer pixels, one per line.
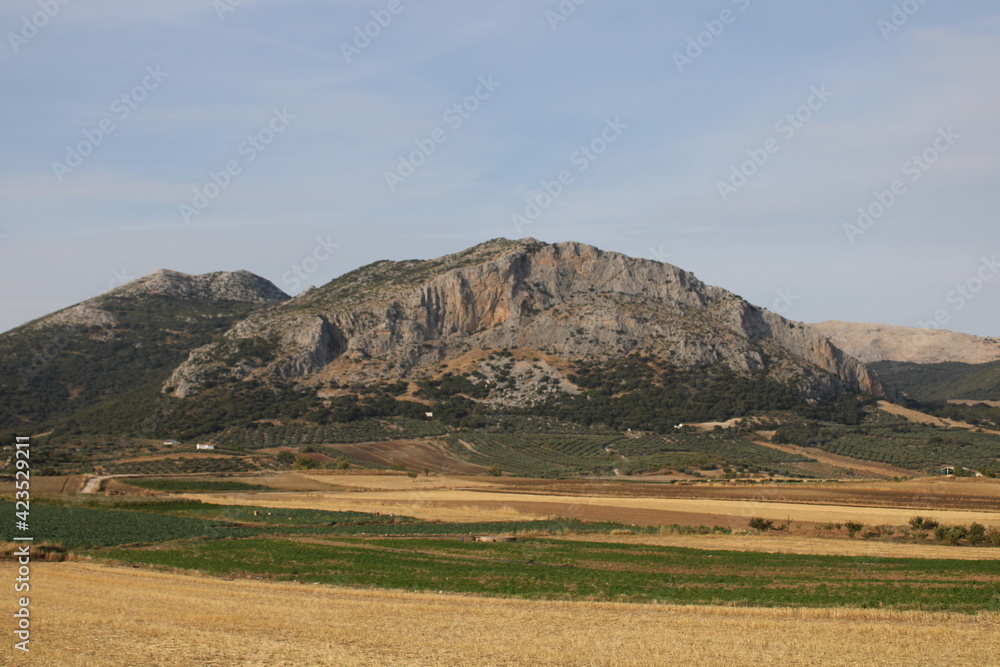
[{"x": 206, "y": 85}]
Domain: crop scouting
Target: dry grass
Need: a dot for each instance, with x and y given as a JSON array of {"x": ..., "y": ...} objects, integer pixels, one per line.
[
  {"x": 96, "y": 616},
  {"x": 432, "y": 503},
  {"x": 418, "y": 509}
]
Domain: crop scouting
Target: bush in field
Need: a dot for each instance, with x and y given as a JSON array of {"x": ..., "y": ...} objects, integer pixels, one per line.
[
  {"x": 853, "y": 528},
  {"x": 757, "y": 523},
  {"x": 994, "y": 537},
  {"x": 977, "y": 534},
  {"x": 495, "y": 470},
  {"x": 304, "y": 463},
  {"x": 952, "y": 535},
  {"x": 920, "y": 523}
]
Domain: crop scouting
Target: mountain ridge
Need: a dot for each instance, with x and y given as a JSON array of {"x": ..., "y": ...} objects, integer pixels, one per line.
[
  {"x": 393, "y": 319},
  {"x": 884, "y": 342}
]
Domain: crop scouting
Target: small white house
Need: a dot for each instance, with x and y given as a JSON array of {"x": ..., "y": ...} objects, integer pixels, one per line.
[
  {"x": 429, "y": 415},
  {"x": 171, "y": 442},
  {"x": 201, "y": 446}
]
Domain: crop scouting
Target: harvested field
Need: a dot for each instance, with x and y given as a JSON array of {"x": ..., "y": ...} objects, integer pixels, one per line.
[
  {"x": 174, "y": 620},
  {"x": 47, "y": 485},
  {"x": 429, "y": 503}
]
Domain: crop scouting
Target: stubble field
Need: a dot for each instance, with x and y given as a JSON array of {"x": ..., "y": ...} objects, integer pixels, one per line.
[{"x": 364, "y": 590}]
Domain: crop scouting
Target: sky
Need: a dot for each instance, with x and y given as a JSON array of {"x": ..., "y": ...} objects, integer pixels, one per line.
[{"x": 835, "y": 159}]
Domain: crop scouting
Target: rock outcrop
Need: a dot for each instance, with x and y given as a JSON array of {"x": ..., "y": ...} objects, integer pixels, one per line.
[{"x": 570, "y": 300}]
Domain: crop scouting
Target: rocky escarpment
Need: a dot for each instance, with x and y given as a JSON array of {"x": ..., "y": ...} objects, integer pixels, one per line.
[{"x": 570, "y": 300}]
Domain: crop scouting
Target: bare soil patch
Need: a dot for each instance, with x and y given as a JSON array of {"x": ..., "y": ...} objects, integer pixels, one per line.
[{"x": 47, "y": 485}]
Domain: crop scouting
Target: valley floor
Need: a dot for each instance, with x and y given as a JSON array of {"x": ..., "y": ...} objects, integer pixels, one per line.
[{"x": 97, "y": 615}]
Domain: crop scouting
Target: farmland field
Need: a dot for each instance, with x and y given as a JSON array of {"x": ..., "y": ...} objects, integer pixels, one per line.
[
  {"x": 575, "y": 570},
  {"x": 176, "y": 620},
  {"x": 340, "y": 562}
]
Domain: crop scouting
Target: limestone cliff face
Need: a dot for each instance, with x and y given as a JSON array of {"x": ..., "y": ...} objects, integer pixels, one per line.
[{"x": 569, "y": 300}]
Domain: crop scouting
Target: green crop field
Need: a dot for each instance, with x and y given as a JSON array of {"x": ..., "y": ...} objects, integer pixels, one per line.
[
  {"x": 193, "y": 485},
  {"x": 368, "y": 550},
  {"x": 553, "y": 569}
]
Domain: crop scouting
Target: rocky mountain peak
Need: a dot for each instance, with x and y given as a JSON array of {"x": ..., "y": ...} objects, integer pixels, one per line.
[
  {"x": 221, "y": 285},
  {"x": 569, "y": 300}
]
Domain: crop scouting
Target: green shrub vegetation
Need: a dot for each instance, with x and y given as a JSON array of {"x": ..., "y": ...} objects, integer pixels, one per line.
[{"x": 191, "y": 485}]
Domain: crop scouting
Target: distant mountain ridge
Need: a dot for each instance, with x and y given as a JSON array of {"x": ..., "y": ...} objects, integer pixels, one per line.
[
  {"x": 883, "y": 342},
  {"x": 119, "y": 342}
]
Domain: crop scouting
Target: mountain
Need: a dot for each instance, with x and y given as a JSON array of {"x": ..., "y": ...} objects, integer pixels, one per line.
[
  {"x": 123, "y": 342},
  {"x": 925, "y": 364},
  {"x": 567, "y": 303},
  {"x": 882, "y": 342}
]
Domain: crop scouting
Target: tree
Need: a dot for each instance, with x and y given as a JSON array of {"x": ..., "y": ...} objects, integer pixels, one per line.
[{"x": 495, "y": 470}]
